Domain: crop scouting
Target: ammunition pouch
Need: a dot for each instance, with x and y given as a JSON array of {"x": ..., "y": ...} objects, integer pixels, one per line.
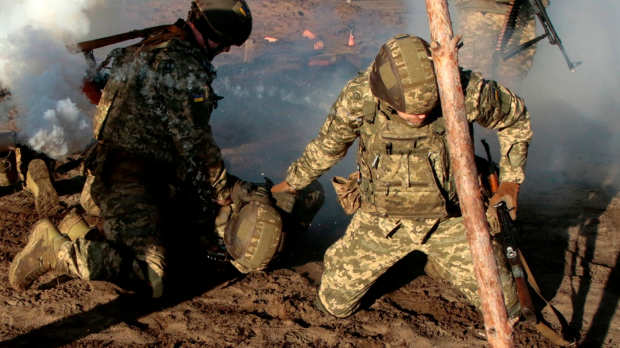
[{"x": 348, "y": 193}]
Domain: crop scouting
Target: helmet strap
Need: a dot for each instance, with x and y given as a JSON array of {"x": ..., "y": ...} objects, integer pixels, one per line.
[{"x": 200, "y": 21}]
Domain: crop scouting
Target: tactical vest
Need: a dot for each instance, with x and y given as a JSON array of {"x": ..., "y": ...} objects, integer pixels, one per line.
[
  {"x": 125, "y": 121},
  {"x": 404, "y": 171}
]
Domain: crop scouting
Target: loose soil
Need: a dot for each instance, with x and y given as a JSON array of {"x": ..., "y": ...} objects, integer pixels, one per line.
[{"x": 275, "y": 103}]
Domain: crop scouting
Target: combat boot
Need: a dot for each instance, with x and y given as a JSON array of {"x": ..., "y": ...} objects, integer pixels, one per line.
[
  {"x": 74, "y": 226},
  {"x": 38, "y": 257},
  {"x": 38, "y": 181},
  {"x": 432, "y": 269}
]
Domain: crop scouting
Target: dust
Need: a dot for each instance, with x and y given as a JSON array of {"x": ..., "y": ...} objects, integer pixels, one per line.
[{"x": 568, "y": 214}]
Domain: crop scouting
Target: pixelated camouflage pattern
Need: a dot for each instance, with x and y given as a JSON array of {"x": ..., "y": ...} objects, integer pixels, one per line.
[
  {"x": 486, "y": 102},
  {"x": 403, "y": 75},
  {"x": 491, "y": 6},
  {"x": 133, "y": 229},
  {"x": 371, "y": 245},
  {"x": 412, "y": 180},
  {"x": 494, "y": 106},
  {"x": 157, "y": 105},
  {"x": 481, "y": 30}
]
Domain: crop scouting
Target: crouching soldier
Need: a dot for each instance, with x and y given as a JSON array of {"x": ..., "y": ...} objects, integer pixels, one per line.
[
  {"x": 406, "y": 196},
  {"x": 152, "y": 128}
]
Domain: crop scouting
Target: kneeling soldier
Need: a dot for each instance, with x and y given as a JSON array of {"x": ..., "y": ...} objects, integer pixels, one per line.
[{"x": 405, "y": 179}]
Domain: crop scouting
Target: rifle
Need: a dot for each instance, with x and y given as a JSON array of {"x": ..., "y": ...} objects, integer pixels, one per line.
[
  {"x": 540, "y": 11},
  {"x": 508, "y": 233},
  {"x": 520, "y": 269},
  {"x": 90, "y": 87}
]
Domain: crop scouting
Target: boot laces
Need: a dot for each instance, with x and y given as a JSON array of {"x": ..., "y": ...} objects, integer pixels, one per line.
[{"x": 43, "y": 268}]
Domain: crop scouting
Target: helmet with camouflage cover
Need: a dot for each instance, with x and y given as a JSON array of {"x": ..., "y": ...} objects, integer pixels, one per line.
[
  {"x": 403, "y": 75},
  {"x": 253, "y": 236},
  {"x": 227, "y": 21}
]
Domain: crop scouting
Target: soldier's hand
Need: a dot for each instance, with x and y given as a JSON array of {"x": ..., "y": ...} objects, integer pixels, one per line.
[
  {"x": 246, "y": 192},
  {"x": 507, "y": 192},
  {"x": 284, "y": 187}
]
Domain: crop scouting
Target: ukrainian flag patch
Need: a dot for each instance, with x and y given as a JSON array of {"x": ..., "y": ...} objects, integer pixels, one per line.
[
  {"x": 242, "y": 11},
  {"x": 198, "y": 98}
]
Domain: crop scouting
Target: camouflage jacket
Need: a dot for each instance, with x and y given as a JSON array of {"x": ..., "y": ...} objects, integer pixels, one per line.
[
  {"x": 420, "y": 152},
  {"x": 156, "y": 106}
]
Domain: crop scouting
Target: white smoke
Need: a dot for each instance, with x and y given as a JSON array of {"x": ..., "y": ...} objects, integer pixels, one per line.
[
  {"x": 54, "y": 117},
  {"x": 574, "y": 117}
]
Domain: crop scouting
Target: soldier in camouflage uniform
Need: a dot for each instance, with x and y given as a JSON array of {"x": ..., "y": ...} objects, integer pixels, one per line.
[
  {"x": 405, "y": 178},
  {"x": 152, "y": 127},
  {"x": 481, "y": 22}
]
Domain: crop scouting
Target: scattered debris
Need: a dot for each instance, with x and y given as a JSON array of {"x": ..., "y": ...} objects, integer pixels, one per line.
[
  {"x": 309, "y": 35},
  {"x": 316, "y": 62}
]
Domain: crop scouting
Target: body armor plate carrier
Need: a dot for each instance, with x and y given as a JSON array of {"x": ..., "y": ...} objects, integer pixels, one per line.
[{"x": 404, "y": 169}]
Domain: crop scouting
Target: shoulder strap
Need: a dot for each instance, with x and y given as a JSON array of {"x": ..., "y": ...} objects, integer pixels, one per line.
[
  {"x": 173, "y": 31},
  {"x": 545, "y": 330}
]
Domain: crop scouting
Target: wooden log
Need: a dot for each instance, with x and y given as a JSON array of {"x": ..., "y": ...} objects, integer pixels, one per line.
[{"x": 444, "y": 51}]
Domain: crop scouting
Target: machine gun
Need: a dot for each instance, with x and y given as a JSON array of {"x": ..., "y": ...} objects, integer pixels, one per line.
[
  {"x": 508, "y": 233},
  {"x": 539, "y": 10}
]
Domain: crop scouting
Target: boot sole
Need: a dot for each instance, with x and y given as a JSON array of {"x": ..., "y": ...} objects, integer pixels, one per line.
[{"x": 32, "y": 242}]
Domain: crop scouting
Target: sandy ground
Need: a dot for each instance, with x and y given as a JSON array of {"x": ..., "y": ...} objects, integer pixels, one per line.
[{"x": 274, "y": 105}]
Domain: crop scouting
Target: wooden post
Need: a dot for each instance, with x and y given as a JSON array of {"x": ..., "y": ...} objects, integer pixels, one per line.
[{"x": 444, "y": 51}]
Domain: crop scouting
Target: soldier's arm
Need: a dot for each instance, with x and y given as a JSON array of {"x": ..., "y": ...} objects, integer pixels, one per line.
[
  {"x": 187, "y": 114},
  {"x": 494, "y": 106},
  {"x": 335, "y": 137}
]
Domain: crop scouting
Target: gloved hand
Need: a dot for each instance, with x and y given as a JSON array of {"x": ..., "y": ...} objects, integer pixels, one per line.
[
  {"x": 284, "y": 187},
  {"x": 246, "y": 192},
  {"x": 507, "y": 192}
]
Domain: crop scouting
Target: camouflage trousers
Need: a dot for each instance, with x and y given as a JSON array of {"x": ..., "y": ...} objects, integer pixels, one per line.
[
  {"x": 133, "y": 228},
  {"x": 371, "y": 245},
  {"x": 481, "y": 31}
]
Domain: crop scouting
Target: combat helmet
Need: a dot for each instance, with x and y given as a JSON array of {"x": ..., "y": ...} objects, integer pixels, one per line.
[
  {"x": 227, "y": 21},
  {"x": 403, "y": 76},
  {"x": 253, "y": 236}
]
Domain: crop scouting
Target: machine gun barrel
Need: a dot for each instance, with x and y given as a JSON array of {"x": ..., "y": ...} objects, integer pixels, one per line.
[{"x": 539, "y": 10}]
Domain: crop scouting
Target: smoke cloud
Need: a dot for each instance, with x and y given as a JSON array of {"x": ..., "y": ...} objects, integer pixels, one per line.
[
  {"x": 43, "y": 77},
  {"x": 574, "y": 117}
]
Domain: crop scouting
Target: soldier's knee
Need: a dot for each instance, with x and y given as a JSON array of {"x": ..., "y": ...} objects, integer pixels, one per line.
[
  {"x": 332, "y": 309},
  {"x": 337, "y": 303}
]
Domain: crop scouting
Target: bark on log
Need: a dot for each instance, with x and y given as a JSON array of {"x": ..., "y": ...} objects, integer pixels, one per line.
[{"x": 443, "y": 46}]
